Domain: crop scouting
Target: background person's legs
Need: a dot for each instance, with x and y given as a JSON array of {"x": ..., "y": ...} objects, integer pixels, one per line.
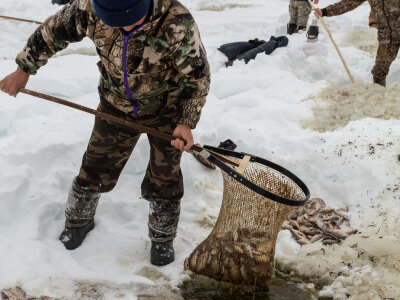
[
  {"x": 304, "y": 10},
  {"x": 385, "y": 55},
  {"x": 291, "y": 26},
  {"x": 293, "y": 12}
]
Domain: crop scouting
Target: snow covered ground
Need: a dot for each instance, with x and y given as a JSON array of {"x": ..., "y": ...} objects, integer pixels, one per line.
[{"x": 258, "y": 105}]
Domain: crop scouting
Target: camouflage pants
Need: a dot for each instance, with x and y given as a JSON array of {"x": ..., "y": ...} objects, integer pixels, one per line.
[
  {"x": 109, "y": 148},
  {"x": 385, "y": 55},
  {"x": 299, "y": 12}
]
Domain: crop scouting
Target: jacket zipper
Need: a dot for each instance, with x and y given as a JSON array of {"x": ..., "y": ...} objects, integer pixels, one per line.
[
  {"x": 124, "y": 65},
  {"x": 387, "y": 20}
]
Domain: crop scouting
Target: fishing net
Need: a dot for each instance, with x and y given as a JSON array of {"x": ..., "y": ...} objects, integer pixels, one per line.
[{"x": 258, "y": 196}]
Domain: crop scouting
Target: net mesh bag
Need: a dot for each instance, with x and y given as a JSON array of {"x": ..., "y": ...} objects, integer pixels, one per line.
[{"x": 241, "y": 247}]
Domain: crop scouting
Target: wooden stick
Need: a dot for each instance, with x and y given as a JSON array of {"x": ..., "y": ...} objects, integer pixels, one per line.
[
  {"x": 122, "y": 122},
  {"x": 18, "y": 19},
  {"x": 334, "y": 43},
  {"x": 224, "y": 158}
]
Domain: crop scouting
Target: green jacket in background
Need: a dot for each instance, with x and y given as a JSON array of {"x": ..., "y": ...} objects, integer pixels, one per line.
[
  {"x": 165, "y": 62},
  {"x": 386, "y": 12}
]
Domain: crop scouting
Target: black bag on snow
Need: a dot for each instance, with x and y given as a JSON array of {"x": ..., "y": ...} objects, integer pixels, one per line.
[
  {"x": 233, "y": 50},
  {"x": 267, "y": 48},
  {"x": 249, "y": 50}
]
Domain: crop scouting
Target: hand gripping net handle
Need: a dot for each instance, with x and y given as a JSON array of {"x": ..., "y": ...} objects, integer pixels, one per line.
[
  {"x": 253, "y": 185},
  {"x": 217, "y": 156},
  {"x": 127, "y": 124}
]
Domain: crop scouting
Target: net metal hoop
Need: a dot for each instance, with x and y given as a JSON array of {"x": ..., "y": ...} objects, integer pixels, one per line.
[{"x": 254, "y": 187}]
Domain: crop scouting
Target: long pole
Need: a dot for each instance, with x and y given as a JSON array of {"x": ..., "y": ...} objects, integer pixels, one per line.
[
  {"x": 334, "y": 43},
  {"x": 125, "y": 123},
  {"x": 18, "y": 19}
]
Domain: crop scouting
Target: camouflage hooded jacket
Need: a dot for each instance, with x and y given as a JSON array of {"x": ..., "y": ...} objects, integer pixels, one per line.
[
  {"x": 163, "y": 64},
  {"x": 387, "y": 14}
]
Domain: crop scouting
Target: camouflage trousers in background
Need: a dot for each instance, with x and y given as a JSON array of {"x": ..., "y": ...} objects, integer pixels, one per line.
[
  {"x": 109, "y": 148},
  {"x": 385, "y": 55},
  {"x": 299, "y": 12}
]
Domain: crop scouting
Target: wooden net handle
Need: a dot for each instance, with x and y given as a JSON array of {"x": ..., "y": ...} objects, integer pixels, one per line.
[
  {"x": 18, "y": 19},
  {"x": 120, "y": 121}
]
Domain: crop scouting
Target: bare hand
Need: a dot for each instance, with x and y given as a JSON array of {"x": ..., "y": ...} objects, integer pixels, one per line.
[
  {"x": 372, "y": 20},
  {"x": 318, "y": 13},
  {"x": 183, "y": 133},
  {"x": 13, "y": 82}
]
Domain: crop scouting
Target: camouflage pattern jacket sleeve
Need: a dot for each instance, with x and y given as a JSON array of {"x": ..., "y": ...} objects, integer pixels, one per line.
[
  {"x": 67, "y": 25},
  {"x": 189, "y": 58},
  {"x": 342, "y": 7},
  {"x": 165, "y": 65}
]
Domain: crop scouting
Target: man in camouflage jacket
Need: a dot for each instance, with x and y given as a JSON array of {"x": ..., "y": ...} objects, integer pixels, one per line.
[
  {"x": 153, "y": 72},
  {"x": 387, "y": 15}
]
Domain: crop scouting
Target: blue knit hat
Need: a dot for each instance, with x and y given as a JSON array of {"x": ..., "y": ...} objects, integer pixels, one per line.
[{"x": 121, "y": 13}]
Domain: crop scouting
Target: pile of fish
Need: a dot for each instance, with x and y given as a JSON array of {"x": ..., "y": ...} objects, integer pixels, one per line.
[
  {"x": 317, "y": 221},
  {"x": 241, "y": 256},
  {"x": 16, "y": 293}
]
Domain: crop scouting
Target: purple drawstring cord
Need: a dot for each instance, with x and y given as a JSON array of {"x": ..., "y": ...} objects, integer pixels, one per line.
[{"x": 124, "y": 53}]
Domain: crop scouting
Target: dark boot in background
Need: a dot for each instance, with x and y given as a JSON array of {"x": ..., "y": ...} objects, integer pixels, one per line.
[
  {"x": 313, "y": 31},
  {"x": 380, "y": 81},
  {"x": 291, "y": 28}
]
